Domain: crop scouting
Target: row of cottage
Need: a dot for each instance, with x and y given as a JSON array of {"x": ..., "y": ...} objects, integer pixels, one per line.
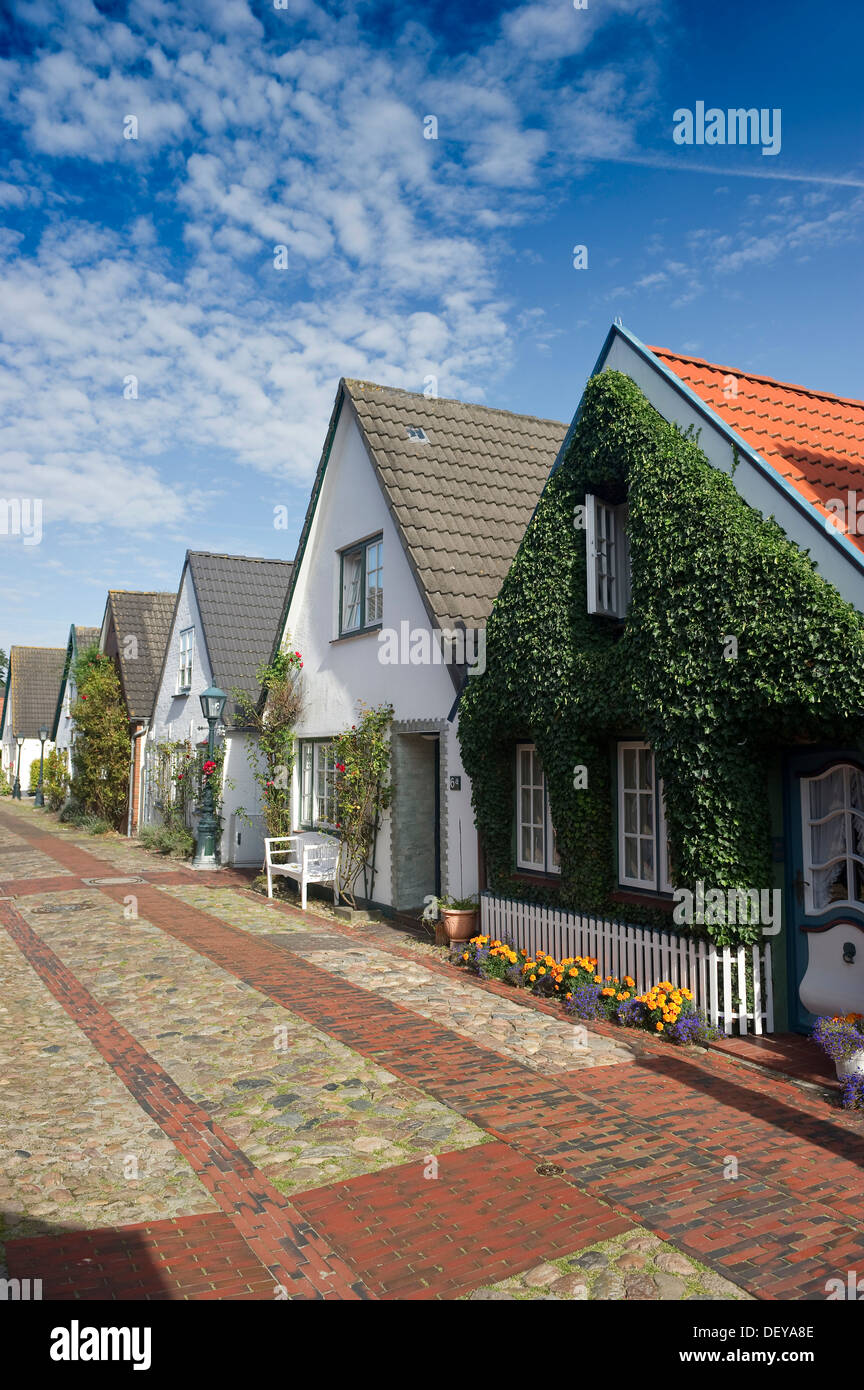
[{"x": 651, "y": 668}]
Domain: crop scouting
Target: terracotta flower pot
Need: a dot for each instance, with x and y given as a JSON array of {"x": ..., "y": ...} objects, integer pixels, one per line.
[{"x": 459, "y": 925}]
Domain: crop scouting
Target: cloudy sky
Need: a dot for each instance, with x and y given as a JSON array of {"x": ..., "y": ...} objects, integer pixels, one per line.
[{"x": 164, "y": 384}]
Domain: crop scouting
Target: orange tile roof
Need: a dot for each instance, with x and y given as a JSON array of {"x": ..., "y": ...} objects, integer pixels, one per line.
[{"x": 814, "y": 439}]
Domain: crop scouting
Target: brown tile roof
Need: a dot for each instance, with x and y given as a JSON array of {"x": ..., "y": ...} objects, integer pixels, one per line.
[
  {"x": 812, "y": 438},
  {"x": 34, "y": 680},
  {"x": 462, "y": 499},
  {"x": 147, "y": 618}
]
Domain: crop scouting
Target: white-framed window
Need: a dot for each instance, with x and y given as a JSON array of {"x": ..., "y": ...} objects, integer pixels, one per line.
[
  {"x": 536, "y": 842},
  {"x": 608, "y": 556},
  {"x": 643, "y": 844},
  {"x": 184, "y": 674},
  {"x": 361, "y": 601},
  {"x": 317, "y": 765},
  {"x": 832, "y": 821}
]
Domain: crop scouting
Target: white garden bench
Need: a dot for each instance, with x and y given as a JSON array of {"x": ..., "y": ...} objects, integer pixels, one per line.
[{"x": 312, "y": 858}]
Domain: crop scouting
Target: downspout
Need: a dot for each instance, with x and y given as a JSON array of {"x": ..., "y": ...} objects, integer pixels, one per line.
[{"x": 135, "y": 737}]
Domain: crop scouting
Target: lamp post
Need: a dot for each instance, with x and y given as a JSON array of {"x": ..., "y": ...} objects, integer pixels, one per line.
[
  {"x": 16, "y": 790},
  {"x": 212, "y": 704},
  {"x": 39, "y": 799}
]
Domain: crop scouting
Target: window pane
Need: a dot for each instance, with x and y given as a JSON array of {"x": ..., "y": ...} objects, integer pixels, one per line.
[
  {"x": 630, "y": 813},
  {"x": 646, "y": 814},
  {"x": 352, "y": 569},
  {"x": 646, "y": 860},
  {"x": 374, "y": 590},
  {"x": 631, "y": 864},
  {"x": 629, "y": 767},
  {"x": 646, "y": 768}
]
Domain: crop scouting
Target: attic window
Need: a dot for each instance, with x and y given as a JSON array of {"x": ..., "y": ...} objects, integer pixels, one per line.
[{"x": 417, "y": 434}]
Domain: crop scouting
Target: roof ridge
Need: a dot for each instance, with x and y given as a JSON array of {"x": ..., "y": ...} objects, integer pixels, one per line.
[
  {"x": 253, "y": 559},
  {"x": 755, "y": 376},
  {"x": 350, "y": 382}
]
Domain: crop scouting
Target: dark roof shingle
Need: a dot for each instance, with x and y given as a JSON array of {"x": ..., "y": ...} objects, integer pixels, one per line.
[
  {"x": 35, "y": 674},
  {"x": 147, "y": 618},
  {"x": 241, "y": 600}
]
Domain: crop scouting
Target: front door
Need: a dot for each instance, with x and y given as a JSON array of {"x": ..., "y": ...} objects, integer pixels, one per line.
[{"x": 825, "y": 883}]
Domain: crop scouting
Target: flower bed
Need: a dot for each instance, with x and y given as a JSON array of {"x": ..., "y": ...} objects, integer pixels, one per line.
[{"x": 665, "y": 1010}]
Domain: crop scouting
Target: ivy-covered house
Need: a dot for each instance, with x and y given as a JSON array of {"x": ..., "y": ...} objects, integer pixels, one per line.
[
  {"x": 670, "y": 728},
  {"x": 225, "y": 623},
  {"x": 80, "y": 640},
  {"x": 134, "y": 632}
]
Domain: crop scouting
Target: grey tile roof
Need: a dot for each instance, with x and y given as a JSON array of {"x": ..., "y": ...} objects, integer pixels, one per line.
[
  {"x": 147, "y": 617},
  {"x": 85, "y": 637},
  {"x": 34, "y": 683},
  {"x": 241, "y": 600},
  {"x": 461, "y": 500}
]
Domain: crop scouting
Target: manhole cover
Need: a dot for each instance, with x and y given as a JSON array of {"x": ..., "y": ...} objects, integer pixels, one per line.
[
  {"x": 95, "y": 882},
  {"x": 549, "y": 1170}
]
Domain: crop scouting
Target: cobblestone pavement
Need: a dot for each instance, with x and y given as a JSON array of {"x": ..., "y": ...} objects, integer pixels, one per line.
[
  {"x": 636, "y": 1266},
  {"x": 545, "y": 1044},
  {"x": 203, "y": 1095}
]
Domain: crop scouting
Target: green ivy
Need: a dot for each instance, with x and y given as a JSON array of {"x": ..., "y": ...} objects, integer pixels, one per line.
[{"x": 705, "y": 566}]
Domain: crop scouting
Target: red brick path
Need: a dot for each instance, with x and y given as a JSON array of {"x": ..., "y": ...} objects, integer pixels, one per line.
[{"x": 651, "y": 1143}]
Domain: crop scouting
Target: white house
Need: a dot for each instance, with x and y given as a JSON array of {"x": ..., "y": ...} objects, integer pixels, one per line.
[
  {"x": 417, "y": 510},
  {"x": 225, "y": 624},
  {"x": 32, "y": 685},
  {"x": 63, "y": 729}
]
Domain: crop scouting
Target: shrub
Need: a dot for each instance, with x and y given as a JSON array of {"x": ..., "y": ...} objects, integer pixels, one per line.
[
  {"x": 5, "y": 784},
  {"x": 71, "y": 814},
  {"x": 173, "y": 839},
  {"x": 55, "y": 781},
  {"x": 100, "y": 781}
]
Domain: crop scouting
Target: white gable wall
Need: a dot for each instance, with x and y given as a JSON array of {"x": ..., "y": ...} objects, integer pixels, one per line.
[
  {"x": 179, "y": 717},
  {"x": 340, "y": 672}
]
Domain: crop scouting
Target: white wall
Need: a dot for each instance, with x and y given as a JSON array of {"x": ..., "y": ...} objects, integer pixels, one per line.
[
  {"x": 30, "y": 750},
  {"x": 179, "y": 716},
  {"x": 337, "y": 673}
]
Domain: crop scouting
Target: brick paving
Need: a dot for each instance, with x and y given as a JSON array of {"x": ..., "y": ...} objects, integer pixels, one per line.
[{"x": 745, "y": 1174}]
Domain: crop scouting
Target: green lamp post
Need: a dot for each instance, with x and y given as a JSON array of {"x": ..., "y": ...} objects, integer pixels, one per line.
[
  {"x": 212, "y": 704},
  {"x": 16, "y": 790},
  {"x": 39, "y": 798}
]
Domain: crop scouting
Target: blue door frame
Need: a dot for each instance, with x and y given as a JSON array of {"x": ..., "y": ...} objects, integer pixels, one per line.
[{"x": 798, "y": 923}]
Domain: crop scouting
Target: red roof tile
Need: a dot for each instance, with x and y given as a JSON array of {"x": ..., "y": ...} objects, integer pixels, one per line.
[{"x": 814, "y": 439}]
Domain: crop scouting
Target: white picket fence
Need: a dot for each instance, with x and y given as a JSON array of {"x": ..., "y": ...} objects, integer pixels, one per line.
[{"x": 717, "y": 976}]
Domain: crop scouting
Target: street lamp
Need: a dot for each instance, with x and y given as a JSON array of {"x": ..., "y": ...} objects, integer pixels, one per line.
[
  {"x": 212, "y": 704},
  {"x": 16, "y": 790},
  {"x": 39, "y": 798}
]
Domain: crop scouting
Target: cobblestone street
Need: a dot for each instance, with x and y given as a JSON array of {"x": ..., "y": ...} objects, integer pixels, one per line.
[{"x": 203, "y": 1095}]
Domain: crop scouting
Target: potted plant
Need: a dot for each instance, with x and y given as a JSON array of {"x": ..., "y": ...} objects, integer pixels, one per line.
[
  {"x": 458, "y": 917},
  {"x": 842, "y": 1037}
]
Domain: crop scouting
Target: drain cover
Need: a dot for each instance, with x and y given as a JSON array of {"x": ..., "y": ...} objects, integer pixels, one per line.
[
  {"x": 549, "y": 1170},
  {"x": 94, "y": 882}
]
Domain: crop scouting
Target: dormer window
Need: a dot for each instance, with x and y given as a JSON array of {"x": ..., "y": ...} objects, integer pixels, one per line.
[{"x": 608, "y": 555}]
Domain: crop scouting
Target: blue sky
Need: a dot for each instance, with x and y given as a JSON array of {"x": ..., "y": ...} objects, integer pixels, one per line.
[{"x": 406, "y": 257}]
